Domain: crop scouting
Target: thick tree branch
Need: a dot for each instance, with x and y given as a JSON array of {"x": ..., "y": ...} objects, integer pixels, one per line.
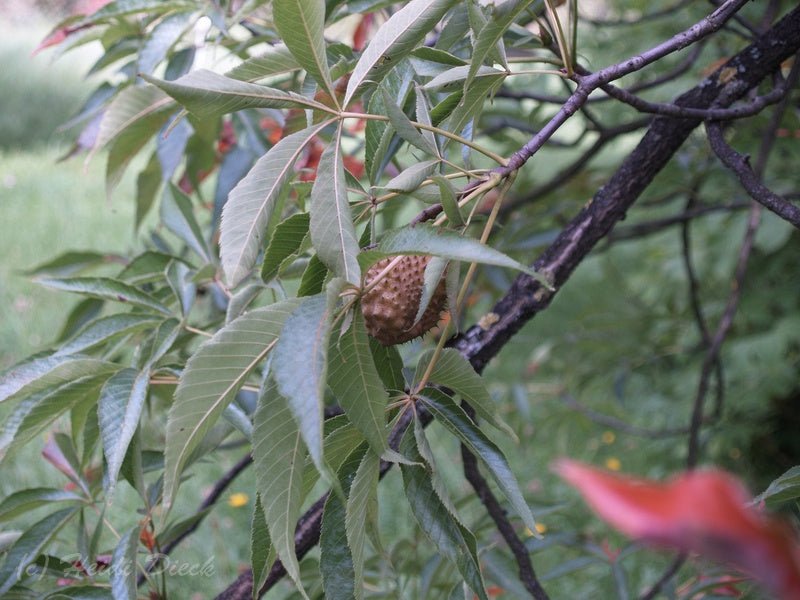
[{"x": 527, "y": 297}]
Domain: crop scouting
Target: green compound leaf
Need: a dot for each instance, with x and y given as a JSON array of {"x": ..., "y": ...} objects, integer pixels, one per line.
[
  {"x": 453, "y": 541},
  {"x": 211, "y": 380},
  {"x": 396, "y": 38},
  {"x": 278, "y": 456},
  {"x": 250, "y": 205},
  {"x": 300, "y": 24},
  {"x": 453, "y": 417}
]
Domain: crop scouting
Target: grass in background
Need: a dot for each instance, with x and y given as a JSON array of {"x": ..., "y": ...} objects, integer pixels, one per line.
[
  {"x": 47, "y": 208},
  {"x": 37, "y": 93}
]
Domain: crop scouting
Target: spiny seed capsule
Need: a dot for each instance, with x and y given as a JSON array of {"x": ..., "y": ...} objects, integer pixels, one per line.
[{"x": 391, "y": 306}]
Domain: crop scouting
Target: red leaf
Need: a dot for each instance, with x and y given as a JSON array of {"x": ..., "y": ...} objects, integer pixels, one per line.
[
  {"x": 55, "y": 37},
  {"x": 52, "y": 454},
  {"x": 362, "y": 32},
  {"x": 705, "y": 512},
  {"x": 355, "y": 166}
]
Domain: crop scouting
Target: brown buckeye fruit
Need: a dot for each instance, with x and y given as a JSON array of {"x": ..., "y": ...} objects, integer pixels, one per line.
[{"x": 391, "y": 306}]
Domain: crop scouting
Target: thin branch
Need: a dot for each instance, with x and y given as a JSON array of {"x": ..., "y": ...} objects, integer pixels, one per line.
[
  {"x": 753, "y": 107},
  {"x": 216, "y": 492},
  {"x": 714, "y": 131},
  {"x": 678, "y": 70},
  {"x": 527, "y": 575},
  {"x": 645, "y": 228},
  {"x": 694, "y": 302},
  {"x": 712, "y": 355},
  {"x": 714, "y": 343},
  {"x": 669, "y": 573},
  {"x": 651, "y": 16},
  {"x": 606, "y": 136},
  {"x": 620, "y": 425},
  {"x": 740, "y": 166},
  {"x": 586, "y": 85}
]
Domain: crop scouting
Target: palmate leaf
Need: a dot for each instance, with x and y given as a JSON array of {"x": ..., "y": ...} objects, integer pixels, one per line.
[
  {"x": 27, "y": 500},
  {"x": 361, "y": 513},
  {"x": 246, "y": 215},
  {"x": 32, "y": 416},
  {"x": 275, "y": 60},
  {"x": 341, "y": 438},
  {"x": 452, "y": 79},
  {"x": 262, "y": 553},
  {"x": 783, "y": 489},
  {"x": 278, "y": 456},
  {"x": 106, "y": 329},
  {"x": 389, "y": 364},
  {"x": 411, "y": 178},
  {"x": 453, "y": 371},
  {"x": 123, "y": 566},
  {"x": 424, "y": 117},
  {"x": 339, "y": 577},
  {"x": 452, "y": 540},
  {"x": 284, "y": 243},
  {"x": 300, "y": 365},
  {"x": 213, "y": 376},
  {"x": 357, "y": 385},
  {"x": 69, "y": 263},
  {"x": 105, "y": 288},
  {"x": 208, "y": 94},
  {"x": 438, "y": 484},
  {"x": 471, "y": 103},
  {"x": 177, "y": 213},
  {"x": 403, "y": 126},
  {"x": 453, "y": 417},
  {"x": 132, "y": 104},
  {"x": 380, "y": 141},
  {"x": 163, "y": 36},
  {"x": 49, "y": 372},
  {"x": 119, "y": 409},
  {"x": 491, "y": 33},
  {"x": 395, "y": 39},
  {"x": 313, "y": 277},
  {"x": 121, "y": 8},
  {"x": 127, "y": 144},
  {"x": 81, "y": 592},
  {"x": 332, "y": 232},
  {"x": 434, "y": 272},
  {"x": 300, "y": 24},
  {"x": 29, "y": 545},
  {"x": 426, "y": 239}
]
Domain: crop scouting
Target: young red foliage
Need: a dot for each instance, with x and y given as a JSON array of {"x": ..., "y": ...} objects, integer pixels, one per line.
[{"x": 707, "y": 512}]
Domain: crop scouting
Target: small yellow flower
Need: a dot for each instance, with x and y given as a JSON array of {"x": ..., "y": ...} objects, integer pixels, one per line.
[
  {"x": 540, "y": 528},
  {"x": 735, "y": 453},
  {"x": 613, "y": 464},
  {"x": 608, "y": 437},
  {"x": 238, "y": 500}
]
